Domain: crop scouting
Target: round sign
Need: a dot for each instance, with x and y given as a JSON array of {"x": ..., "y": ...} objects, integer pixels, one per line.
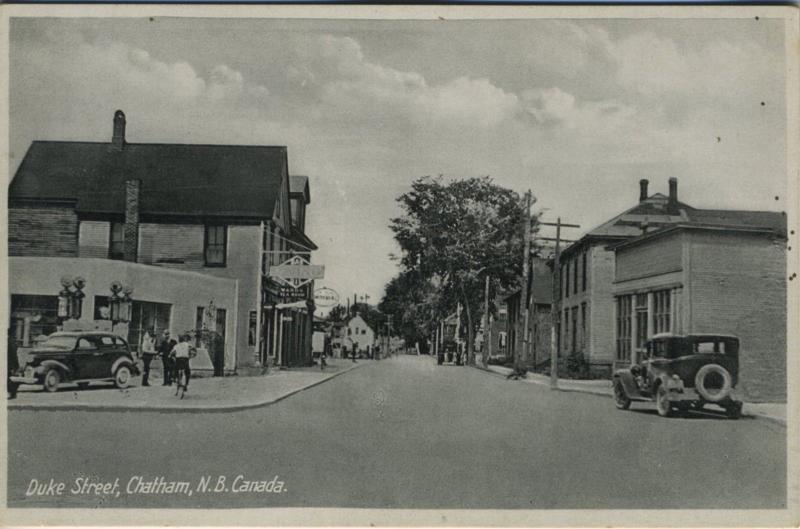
[{"x": 325, "y": 297}]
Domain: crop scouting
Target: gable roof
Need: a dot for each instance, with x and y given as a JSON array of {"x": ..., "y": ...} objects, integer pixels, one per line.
[
  {"x": 177, "y": 179},
  {"x": 298, "y": 185},
  {"x": 769, "y": 220},
  {"x": 541, "y": 286},
  {"x": 654, "y": 211},
  {"x": 360, "y": 320}
]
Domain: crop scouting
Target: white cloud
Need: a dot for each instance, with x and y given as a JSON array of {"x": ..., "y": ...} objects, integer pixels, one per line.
[{"x": 568, "y": 102}]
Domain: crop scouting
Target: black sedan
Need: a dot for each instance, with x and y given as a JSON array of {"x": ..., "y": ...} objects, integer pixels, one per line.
[{"x": 79, "y": 357}]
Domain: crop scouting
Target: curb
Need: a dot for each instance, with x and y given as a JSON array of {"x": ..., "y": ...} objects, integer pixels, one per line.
[
  {"x": 173, "y": 409},
  {"x": 589, "y": 391}
]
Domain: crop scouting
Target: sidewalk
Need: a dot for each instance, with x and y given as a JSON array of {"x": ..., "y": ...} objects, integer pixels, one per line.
[
  {"x": 212, "y": 394},
  {"x": 775, "y": 412}
]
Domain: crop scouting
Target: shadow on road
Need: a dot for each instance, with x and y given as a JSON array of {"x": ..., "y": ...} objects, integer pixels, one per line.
[{"x": 693, "y": 415}]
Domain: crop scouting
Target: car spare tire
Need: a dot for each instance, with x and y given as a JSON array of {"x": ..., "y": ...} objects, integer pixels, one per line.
[{"x": 713, "y": 382}]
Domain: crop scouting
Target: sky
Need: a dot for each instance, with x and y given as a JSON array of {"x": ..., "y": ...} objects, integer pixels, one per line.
[{"x": 575, "y": 110}]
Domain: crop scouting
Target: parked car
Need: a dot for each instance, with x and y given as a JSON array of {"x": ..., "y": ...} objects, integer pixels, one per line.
[
  {"x": 682, "y": 373},
  {"x": 79, "y": 357}
]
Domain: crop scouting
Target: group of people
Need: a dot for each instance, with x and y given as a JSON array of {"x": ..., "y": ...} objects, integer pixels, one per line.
[{"x": 174, "y": 356}]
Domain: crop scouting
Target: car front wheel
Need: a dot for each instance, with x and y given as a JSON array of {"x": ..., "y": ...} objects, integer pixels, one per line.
[
  {"x": 51, "y": 380},
  {"x": 663, "y": 405},
  {"x": 621, "y": 399},
  {"x": 122, "y": 377}
]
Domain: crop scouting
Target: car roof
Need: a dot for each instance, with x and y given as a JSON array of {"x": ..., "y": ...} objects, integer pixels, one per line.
[
  {"x": 78, "y": 334},
  {"x": 693, "y": 335}
]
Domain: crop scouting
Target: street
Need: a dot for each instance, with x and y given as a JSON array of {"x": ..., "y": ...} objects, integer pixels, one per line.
[{"x": 405, "y": 433}]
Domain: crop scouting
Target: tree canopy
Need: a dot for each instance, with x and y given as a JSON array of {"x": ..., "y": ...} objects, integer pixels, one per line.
[{"x": 452, "y": 234}]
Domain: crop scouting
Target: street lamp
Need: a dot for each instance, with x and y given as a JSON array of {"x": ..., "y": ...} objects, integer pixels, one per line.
[
  {"x": 120, "y": 302},
  {"x": 70, "y": 298}
]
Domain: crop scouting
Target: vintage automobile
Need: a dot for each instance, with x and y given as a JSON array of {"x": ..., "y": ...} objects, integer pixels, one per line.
[
  {"x": 682, "y": 373},
  {"x": 78, "y": 357}
]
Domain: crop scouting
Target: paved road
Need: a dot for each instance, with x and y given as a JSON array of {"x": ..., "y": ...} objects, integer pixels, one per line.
[{"x": 407, "y": 433}]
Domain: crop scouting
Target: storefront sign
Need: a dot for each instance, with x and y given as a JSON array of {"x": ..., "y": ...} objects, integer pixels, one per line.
[
  {"x": 325, "y": 297},
  {"x": 288, "y": 294},
  {"x": 297, "y": 272}
]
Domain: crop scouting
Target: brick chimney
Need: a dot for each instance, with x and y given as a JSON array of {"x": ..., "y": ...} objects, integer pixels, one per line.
[
  {"x": 643, "y": 189},
  {"x": 131, "y": 228},
  {"x": 118, "y": 139},
  {"x": 673, "y": 194}
]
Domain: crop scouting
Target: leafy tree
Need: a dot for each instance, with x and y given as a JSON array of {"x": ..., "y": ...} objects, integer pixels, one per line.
[
  {"x": 453, "y": 233},
  {"x": 411, "y": 300},
  {"x": 337, "y": 314}
]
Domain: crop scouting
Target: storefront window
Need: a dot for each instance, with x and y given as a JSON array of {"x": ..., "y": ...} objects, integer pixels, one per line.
[
  {"x": 146, "y": 315},
  {"x": 662, "y": 311},
  {"x": 32, "y": 317},
  {"x": 624, "y": 328}
]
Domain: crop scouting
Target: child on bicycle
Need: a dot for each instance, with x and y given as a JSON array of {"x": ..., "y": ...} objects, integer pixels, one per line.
[{"x": 182, "y": 352}]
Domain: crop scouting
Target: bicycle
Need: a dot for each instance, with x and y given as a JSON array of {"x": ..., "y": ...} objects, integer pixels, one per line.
[
  {"x": 180, "y": 388},
  {"x": 182, "y": 379}
]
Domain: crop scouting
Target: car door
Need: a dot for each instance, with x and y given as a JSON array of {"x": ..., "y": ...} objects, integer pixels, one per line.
[
  {"x": 86, "y": 357},
  {"x": 109, "y": 352}
]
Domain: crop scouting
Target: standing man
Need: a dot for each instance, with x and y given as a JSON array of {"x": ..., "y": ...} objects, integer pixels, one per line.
[
  {"x": 13, "y": 366},
  {"x": 148, "y": 352},
  {"x": 355, "y": 350},
  {"x": 164, "y": 349}
]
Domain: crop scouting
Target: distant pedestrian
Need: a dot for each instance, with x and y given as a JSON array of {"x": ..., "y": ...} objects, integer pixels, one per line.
[
  {"x": 164, "y": 349},
  {"x": 148, "y": 351},
  {"x": 13, "y": 366},
  {"x": 355, "y": 350}
]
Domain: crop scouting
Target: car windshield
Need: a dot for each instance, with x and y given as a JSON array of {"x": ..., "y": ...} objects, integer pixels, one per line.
[{"x": 59, "y": 342}]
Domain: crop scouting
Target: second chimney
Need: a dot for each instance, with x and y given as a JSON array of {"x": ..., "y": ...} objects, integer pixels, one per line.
[
  {"x": 118, "y": 139},
  {"x": 673, "y": 192},
  {"x": 643, "y": 190}
]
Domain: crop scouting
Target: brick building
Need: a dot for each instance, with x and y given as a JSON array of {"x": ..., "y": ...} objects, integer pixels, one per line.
[
  {"x": 721, "y": 273},
  {"x": 209, "y": 220},
  {"x": 585, "y": 322}
]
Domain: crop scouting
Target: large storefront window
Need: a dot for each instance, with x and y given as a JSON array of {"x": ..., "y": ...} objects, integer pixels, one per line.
[
  {"x": 33, "y": 316},
  {"x": 624, "y": 328},
  {"x": 662, "y": 312},
  {"x": 641, "y": 320},
  {"x": 146, "y": 315}
]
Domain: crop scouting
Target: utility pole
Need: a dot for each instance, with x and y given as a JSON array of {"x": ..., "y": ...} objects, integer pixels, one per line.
[
  {"x": 487, "y": 336},
  {"x": 523, "y": 298},
  {"x": 556, "y": 305}
]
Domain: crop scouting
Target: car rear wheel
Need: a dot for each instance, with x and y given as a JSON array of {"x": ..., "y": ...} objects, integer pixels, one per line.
[
  {"x": 122, "y": 377},
  {"x": 663, "y": 405},
  {"x": 621, "y": 399},
  {"x": 51, "y": 380}
]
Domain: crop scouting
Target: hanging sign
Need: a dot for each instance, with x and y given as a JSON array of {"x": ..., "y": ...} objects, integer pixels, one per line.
[
  {"x": 297, "y": 272},
  {"x": 325, "y": 297}
]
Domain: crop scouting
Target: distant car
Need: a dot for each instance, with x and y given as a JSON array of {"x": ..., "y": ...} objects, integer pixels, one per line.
[
  {"x": 682, "y": 373},
  {"x": 78, "y": 357}
]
